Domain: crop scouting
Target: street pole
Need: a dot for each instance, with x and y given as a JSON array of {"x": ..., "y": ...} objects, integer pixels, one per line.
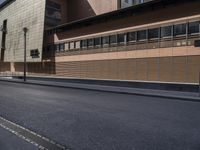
[
  {"x": 25, "y": 32},
  {"x": 199, "y": 83}
]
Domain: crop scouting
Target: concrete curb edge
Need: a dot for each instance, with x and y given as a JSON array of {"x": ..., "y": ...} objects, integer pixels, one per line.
[{"x": 185, "y": 98}]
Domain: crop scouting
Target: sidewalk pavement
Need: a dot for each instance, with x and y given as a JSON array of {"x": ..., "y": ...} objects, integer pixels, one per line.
[
  {"x": 189, "y": 96},
  {"x": 9, "y": 141}
]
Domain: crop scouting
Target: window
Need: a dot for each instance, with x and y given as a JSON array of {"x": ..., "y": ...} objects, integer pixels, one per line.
[
  {"x": 90, "y": 42},
  {"x": 105, "y": 40},
  {"x": 193, "y": 27},
  {"x": 153, "y": 33},
  {"x": 77, "y": 44},
  {"x": 66, "y": 46},
  {"x": 179, "y": 29},
  {"x": 113, "y": 39},
  {"x": 142, "y": 35},
  {"x": 71, "y": 45},
  {"x": 97, "y": 41},
  {"x": 57, "y": 48},
  {"x": 166, "y": 31},
  {"x": 34, "y": 53},
  {"x": 132, "y": 36},
  {"x": 126, "y": 3},
  {"x": 62, "y": 47},
  {"x": 121, "y": 38},
  {"x": 84, "y": 44}
]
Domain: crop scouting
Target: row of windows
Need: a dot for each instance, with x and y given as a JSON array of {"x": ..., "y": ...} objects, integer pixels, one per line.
[{"x": 141, "y": 35}]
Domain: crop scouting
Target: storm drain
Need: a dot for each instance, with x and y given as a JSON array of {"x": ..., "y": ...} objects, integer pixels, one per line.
[{"x": 39, "y": 141}]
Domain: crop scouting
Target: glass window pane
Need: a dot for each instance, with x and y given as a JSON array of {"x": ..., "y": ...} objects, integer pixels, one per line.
[
  {"x": 84, "y": 43},
  {"x": 142, "y": 35},
  {"x": 90, "y": 42},
  {"x": 153, "y": 33},
  {"x": 132, "y": 36},
  {"x": 62, "y": 47},
  {"x": 57, "y": 48},
  {"x": 121, "y": 38},
  {"x": 77, "y": 44},
  {"x": 66, "y": 46},
  {"x": 113, "y": 39},
  {"x": 166, "y": 31},
  {"x": 71, "y": 46},
  {"x": 180, "y": 29},
  {"x": 193, "y": 27},
  {"x": 97, "y": 41},
  {"x": 105, "y": 40}
]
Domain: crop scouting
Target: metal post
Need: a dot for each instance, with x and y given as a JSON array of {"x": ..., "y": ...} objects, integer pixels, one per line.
[
  {"x": 199, "y": 83},
  {"x": 25, "y": 31}
]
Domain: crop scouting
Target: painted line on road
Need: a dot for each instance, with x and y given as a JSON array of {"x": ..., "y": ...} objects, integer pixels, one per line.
[{"x": 31, "y": 137}]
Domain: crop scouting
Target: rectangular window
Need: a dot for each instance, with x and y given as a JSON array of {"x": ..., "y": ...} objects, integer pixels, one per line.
[
  {"x": 66, "y": 46},
  {"x": 180, "y": 29},
  {"x": 142, "y": 35},
  {"x": 34, "y": 53},
  {"x": 57, "y": 47},
  {"x": 62, "y": 47},
  {"x": 71, "y": 45},
  {"x": 193, "y": 27},
  {"x": 97, "y": 41},
  {"x": 90, "y": 42},
  {"x": 121, "y": 38},
  {"x": 113, "y": 39},
  {"x": 153, "y": 33},
  {"x": 84, "y": 44},
  {"x": 132, "y": 36},
  {"x": 105, "y": 40},
  {"x": 77, "y": 44},
  {"x": 166, "y": 31}
]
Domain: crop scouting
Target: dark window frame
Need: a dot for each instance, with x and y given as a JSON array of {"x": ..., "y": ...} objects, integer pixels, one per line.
[
  {"x": 72, "y": 42},
  {"x": 34, "y": 53},
  {"x": 151, "y": 34},
  {"x": 114, "y": 42},
  {"x": 135, "y": 37},
  {"x": 189, "y": 29},
  {"x": 75, "y": 45},
  {"x": 179, "y": 34},
  {"x": 107, "y": 43},
  {"x": 166, "y": 35},
  {"x": 62, "y": 47},
  {"x": 143, "y": 39},
  {"x": 124, "y": 35},
  {"x": 57, "y": 48},
  {"x": 83, "y": 42},
  {"x": 88, "y": 43},
  {"x": 95, "y": 44},
  {"x": 67, "y": 43}
]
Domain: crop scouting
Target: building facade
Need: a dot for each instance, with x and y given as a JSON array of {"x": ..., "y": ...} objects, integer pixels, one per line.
[{"x": 154, "y": 41}]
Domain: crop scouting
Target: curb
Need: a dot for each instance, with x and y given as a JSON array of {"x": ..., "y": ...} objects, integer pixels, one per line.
[{"x": 103, "y": 89}]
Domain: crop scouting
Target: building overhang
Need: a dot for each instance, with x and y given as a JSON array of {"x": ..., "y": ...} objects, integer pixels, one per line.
[{"x": 129, "y": 11}]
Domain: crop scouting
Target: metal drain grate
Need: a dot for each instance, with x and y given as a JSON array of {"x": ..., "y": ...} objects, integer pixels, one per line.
[{"x": 31, "y": 137}]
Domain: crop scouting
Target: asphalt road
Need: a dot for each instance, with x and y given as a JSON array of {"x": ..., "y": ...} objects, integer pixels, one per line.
[{"x": 91, "y": 120}]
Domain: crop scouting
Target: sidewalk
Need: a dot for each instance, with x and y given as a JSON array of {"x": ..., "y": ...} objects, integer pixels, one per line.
[{"x": 191, "y": 96}]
